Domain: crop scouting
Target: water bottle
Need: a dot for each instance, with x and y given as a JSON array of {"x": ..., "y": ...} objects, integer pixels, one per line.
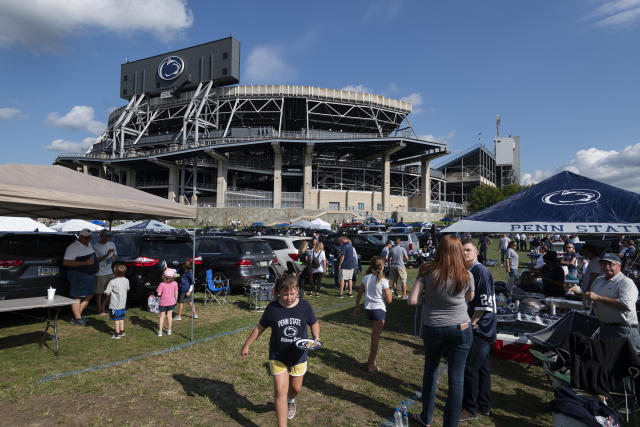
[
  {"x": 404, "y": 411},
  {"x": 397, "y": 418}
]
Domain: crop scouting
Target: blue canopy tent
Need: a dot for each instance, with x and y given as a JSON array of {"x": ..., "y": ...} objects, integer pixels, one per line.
[
  {"x": 401, "y": 224},
  {"x": 98, "y": 222},
  {"x": 257, "y": 224},
  {"x": 284, "y": 224},
  {"x": 564, "y": 203}
]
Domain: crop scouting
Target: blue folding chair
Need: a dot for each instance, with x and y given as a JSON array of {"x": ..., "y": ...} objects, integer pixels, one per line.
[{"x": 216, "y": 290}]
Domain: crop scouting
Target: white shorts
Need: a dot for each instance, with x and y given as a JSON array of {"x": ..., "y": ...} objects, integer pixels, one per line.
[{"x": 346, "y": 274}]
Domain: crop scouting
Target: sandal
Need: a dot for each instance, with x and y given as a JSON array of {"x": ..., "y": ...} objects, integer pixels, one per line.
[
  {"x": 374, "y": 370},
  {"x": 416, "y": 418}
]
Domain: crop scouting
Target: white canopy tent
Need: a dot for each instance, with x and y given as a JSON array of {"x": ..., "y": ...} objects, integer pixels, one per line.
[
  {"x": 149, "y": 225},
  {"x": 75, "y": 225},
  {"x": 13, "y": 223},
  {"x": 58, "y": 192},
  {"x": 320, "y": 224}
]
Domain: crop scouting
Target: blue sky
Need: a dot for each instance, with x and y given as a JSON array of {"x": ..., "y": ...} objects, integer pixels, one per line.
[{"x": 563, "y": 75}]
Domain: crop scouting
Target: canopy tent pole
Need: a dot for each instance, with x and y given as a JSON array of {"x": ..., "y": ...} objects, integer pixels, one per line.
[{"x": 193, "y": 271}]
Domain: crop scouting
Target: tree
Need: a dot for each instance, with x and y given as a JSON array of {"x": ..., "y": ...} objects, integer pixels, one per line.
[
  {"x": 483, "y": 196},
  {"x": 486, "y": 195}
]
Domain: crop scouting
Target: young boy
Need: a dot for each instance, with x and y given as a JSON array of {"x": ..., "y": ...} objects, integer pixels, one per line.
[
  {"x": 185, "y": 290},
  {"x": 288, "y": 318},
  {"x": 117, "y": 290}
]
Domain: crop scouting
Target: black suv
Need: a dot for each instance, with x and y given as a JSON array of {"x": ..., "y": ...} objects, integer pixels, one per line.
[
  {"x": 31, "y": 262},
  {"x": 237, "y": 258},
  {"x": 366, "y": 246},
  {"x": 147, "y": 254}
]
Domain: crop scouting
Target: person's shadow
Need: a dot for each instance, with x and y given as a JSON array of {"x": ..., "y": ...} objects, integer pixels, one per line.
[
  {"x": 223, "y": 395},
  {"x": 145, "y": 323},
  {"x": 100, "y": 326}
]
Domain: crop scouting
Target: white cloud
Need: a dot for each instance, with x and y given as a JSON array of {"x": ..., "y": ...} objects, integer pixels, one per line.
[
  {"x": 62, "y": 145},
  {"x": 616, "y": 13},
  {"x": 618, "y": 168},
  {"x": 79, "y": 118},
  {"x": 43, "y": 24},
  {"x": 358, "y": 88},
  {"x": 440, "y": 138},
  {"x": 415, "y": 99},
  {"x": 9, "y": 113},
  {"x": 388, "y": 9},
  {"x": 266, "y": 64}
]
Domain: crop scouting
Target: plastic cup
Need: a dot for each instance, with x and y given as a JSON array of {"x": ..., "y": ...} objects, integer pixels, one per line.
[{"x": 51, "y": 292}]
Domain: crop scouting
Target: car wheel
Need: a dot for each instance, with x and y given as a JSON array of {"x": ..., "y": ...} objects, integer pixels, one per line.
[{"x": 219, "y": 275}]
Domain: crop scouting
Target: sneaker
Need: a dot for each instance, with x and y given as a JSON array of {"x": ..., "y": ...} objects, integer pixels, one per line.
[
  {"x": 77, "y": 322},
  {"x": 340, "y": 296},
  {"x": 350, "y": 295},
  {"x": 195, "y": 316},
  {"x": 168, "y": 331},
  {"x": 317, "y": 294},
  {"x": 159, "y": 333},
  {"x": 291, "y": 412},
  {"x": 122, "y": 333},
  {"x": 116, "y": 336},
  {"x": 405, "y": 297},
  {"x": 467, "y": 416},
  {"x": 177, "y": 318},
  {"x": 486, "y": 412}
]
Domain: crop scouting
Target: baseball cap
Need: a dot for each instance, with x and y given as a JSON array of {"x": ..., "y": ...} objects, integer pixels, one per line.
[
  {"x": 610, "y": 258},
  {"x": 85, "y": 233},
  {"x": 169, "y": 272},
  {"x": 105, "y": 232}
]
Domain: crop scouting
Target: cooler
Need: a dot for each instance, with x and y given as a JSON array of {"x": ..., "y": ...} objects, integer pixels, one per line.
[{"x": 512, "y": 347}]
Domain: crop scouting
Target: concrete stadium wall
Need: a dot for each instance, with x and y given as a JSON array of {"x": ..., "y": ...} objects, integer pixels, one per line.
[{"x": 247, "y": 216}]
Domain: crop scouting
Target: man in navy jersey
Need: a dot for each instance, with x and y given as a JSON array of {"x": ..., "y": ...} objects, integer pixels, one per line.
[{"x": 482, "y": 311}]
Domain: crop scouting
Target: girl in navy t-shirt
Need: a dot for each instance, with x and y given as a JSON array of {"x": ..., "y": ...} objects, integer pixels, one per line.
[{"x": 288, "y": 318}]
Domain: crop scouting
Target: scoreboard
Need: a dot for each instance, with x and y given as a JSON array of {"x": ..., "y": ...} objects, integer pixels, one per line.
[{"x": 173, "y": 72}]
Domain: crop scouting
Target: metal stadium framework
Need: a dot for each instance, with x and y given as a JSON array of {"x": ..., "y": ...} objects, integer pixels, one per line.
[{"x": 268, "y": 146}]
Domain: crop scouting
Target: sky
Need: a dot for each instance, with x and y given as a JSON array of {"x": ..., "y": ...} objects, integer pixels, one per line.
[{"x": 563, "y": 75}]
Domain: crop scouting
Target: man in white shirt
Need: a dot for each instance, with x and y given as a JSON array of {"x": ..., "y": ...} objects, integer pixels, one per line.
[
  {"x": 614, "y": 297},
  {"x": 79, "y": 258},
  {"x": 106, "y": 253}
]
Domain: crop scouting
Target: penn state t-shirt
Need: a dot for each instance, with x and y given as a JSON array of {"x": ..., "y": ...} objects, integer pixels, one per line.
[{"x": 287, "y": 326}]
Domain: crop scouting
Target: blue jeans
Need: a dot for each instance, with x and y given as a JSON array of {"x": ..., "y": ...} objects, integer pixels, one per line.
[
  {"x": 477, "y": 377},
  {"x": 621, "y": 331},
  {"x": 503, "y": 253},
  {"x": 513, "y": 272},
  {"x": 457, "y": 343}
]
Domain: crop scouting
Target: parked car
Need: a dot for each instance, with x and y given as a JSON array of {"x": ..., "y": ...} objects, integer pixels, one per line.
[
  {"x": 31, "y": 262},
  {"x": 238, "y": 258},
  {"x": 285, "y": 248},
  {"x": 409, "y": 241},
  {"x": 379, "y": 235},
  {"x": 146, "y": 255},
  {"x": 366, "y": 246}
]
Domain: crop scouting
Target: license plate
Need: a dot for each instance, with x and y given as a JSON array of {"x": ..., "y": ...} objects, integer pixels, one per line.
[
  {"x": 47, "y": 271},
  {"x": 264, "y": 263}
]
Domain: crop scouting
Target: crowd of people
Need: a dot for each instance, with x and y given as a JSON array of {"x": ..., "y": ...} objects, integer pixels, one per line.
[{"x": 456, "y": 292}]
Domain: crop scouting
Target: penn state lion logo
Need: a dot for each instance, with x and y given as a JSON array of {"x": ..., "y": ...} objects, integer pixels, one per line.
[
  {"x": 571, "y": 197},
  {"x": 290, "y": 331},
  {"x": 170, "y": 67}
]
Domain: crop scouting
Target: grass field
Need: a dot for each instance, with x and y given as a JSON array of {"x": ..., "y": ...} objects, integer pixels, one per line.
[{"x": 207, "y": 383}]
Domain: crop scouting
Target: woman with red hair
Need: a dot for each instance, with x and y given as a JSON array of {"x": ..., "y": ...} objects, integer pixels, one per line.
[{"x": 447, "y": 286}]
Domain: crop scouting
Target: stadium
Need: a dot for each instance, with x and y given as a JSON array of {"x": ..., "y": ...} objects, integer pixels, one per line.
[{"x": 267, "y": 153}]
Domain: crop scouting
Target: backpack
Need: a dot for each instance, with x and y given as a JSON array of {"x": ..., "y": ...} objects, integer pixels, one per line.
[{"x": 314, "y": 261}]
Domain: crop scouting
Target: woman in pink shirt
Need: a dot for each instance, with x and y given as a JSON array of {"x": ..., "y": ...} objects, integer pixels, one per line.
[{"x": 168, "y": 293}]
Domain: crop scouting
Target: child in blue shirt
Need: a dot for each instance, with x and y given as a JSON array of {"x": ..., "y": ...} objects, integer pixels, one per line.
[
  {"x": 288, "y": 318},
  {"x": 185, "y": 290}
]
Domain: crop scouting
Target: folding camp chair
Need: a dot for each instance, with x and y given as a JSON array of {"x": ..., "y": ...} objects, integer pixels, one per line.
[
  {"x": 260, "y": 294},
  {"x": 216, "y": 290}
]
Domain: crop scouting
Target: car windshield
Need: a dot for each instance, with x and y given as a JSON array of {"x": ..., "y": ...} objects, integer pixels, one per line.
[
  {"x": 25, "y": 246},
  {"x": 166, "y": 249},
  {"x": 298, "y": 243},
  {"x": 374, "y": 240},
  {"x": 250, "y": 248}
]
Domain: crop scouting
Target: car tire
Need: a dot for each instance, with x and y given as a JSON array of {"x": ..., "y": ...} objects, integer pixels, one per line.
[{"x": 220, "y": 275}]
